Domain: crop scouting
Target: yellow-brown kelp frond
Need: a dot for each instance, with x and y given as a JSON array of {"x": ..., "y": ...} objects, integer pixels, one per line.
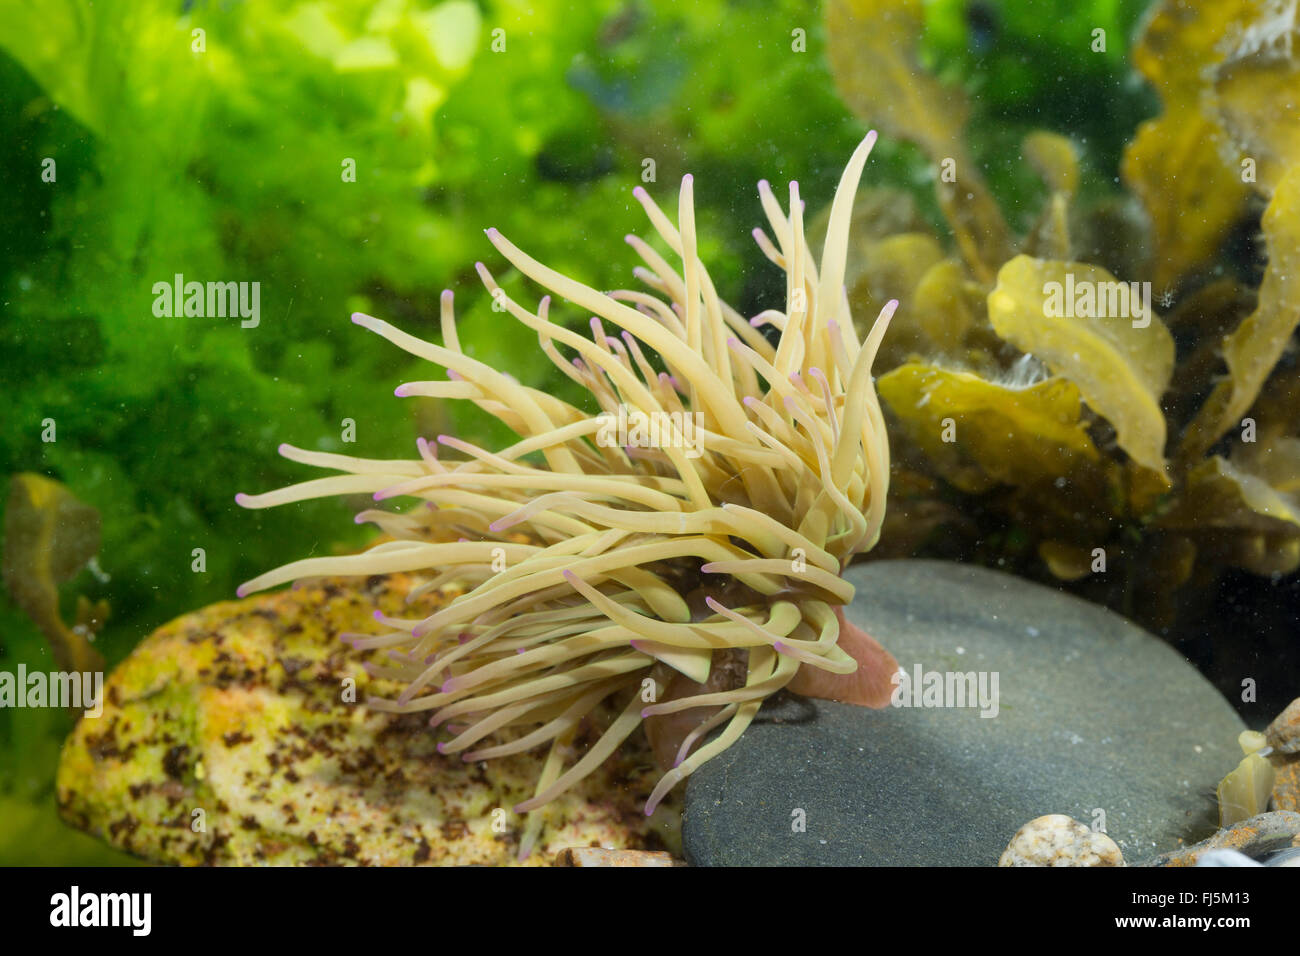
[{"x": 617, "y": 564}]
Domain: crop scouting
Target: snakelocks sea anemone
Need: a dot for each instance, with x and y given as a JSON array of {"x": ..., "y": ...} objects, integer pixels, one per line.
[{"x": 678, "y": 554}]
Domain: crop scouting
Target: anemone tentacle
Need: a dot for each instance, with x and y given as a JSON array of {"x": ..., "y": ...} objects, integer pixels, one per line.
[{"x": 624, "y": 565}]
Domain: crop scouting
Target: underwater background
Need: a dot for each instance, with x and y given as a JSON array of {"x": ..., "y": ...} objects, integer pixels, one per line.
[{"x": 347, "y": 156}]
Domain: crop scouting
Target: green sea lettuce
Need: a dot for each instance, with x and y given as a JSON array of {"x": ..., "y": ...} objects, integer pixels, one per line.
[{"x": 346, "y": 155}]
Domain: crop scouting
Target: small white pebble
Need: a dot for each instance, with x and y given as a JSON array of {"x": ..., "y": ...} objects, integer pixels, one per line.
[{"x": 1057, "y": 840}]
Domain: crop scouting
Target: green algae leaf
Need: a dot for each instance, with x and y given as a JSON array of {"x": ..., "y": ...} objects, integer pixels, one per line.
[
  {"x": 1050, "y": 236},
  {"x": 943, "y": 306},
  {"x": 891, "y": 268},
  {"x": 1054, "y": 159},
  {"x": 1176, "y": 163},
  {"x": 979, "y": 434},
  {"x": 66, "y": 44},
  {"x": 1245, "y": 792},
  {"x": 1192, "y": 198},
  {"x": 49, "y": 537},
  {"x": 872, "y": 51},
  {"x": 1204, "y": 317},
  {"x": 1253, "y": 349},
  {"x": 1249, "y": 497},
  {"x": 1067, "y": 562},
  {"x": 1255, "y": 91},
  {"x": 1278, "y": 463},
  {"x": 895, "y": 265},
  {"x": 1249, "y": 504},
  {"x": 452, "y": 31},
  {"x": 1121, "y": 370}
]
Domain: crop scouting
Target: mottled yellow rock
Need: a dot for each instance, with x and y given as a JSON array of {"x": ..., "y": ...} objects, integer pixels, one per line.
[
  {"x": 1286, "y": 782},
  {"x": 1058, "y": 840},
  {"x": 1283, "y": 734},
  {"x": 228, "y": 738}
]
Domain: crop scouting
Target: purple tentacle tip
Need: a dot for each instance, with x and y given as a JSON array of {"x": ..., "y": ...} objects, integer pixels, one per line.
[
  {"x": 241, "y": 591},
  {"x": 241, "y": 499},
  {"x": 442, "y": 747}
]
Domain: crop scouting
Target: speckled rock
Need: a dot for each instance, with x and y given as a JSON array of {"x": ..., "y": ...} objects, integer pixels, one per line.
[
  {"x": 1258, "y": 838},
  {"x": 1283, "y": 734},
  {"x": 1095, "y": 717},
  {"x": 1056, "y": 840},
  {"x": 226, "y": 739},
  {"x": 1286, "y": 781}
]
